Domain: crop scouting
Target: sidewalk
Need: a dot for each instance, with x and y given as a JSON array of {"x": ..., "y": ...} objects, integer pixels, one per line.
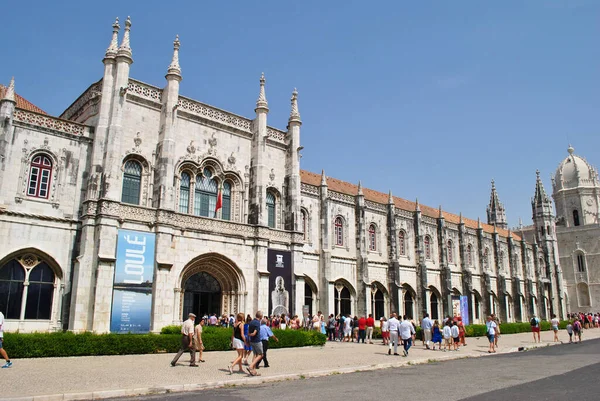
[{"x": 114, "y": 376}]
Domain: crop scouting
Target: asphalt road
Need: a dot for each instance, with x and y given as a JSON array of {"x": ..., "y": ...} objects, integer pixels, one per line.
[{"x": 560, "y": 372}]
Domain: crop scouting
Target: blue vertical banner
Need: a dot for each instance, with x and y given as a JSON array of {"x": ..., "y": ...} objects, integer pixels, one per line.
[
  {"x": 464, "y": 309},
  {"x": 134, "y": 276}
]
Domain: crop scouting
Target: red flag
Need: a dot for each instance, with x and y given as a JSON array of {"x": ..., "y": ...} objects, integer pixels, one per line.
[{"x": 219, "y": 199}]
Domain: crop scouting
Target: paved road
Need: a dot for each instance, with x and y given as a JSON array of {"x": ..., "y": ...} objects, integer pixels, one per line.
[{"x": 550, "y": 373}]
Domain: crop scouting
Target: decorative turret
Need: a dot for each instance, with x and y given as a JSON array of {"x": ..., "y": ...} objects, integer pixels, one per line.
[
  {"x": 261, "y": 102},
  {"x": 417, "y": 208},
  {"x": 295, "y": 114},
  {"x": 390, "y": 198},
  {"x": 174, "y": 68},
  {"x": 9, "y": 95},
  {"x": 125, "y": 48},
  {"x": 360, "y": 191},
  {"x": 323, "y": 179},
  {"x": 495, "y": 211},
  {"x": 112, "y": 50}
]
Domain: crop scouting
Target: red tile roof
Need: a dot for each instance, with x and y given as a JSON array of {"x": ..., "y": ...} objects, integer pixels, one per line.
[
  {"x": 347, "y": 188},
  {"x": 22, "y": 103}
]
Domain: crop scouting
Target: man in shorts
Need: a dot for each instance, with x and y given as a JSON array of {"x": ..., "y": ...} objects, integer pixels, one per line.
[
  {"x": 8, "y": 363},
  {"x": 255, "y": 343}
]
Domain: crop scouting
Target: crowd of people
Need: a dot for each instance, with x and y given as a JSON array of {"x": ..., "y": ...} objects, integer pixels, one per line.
[{"x": 250, "y": 336}]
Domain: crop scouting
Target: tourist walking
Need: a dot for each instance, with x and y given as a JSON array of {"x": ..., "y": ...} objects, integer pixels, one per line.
[
  {"x": 426, "y": 326},
  {"x": 577, "y": 329},
  {"x": 8, "y": 363},
  {"x": 255, "y": 343},
  {"x": 247, "y": 349},
  {"x": 407, "y": 333},
  {"x": 393, "y": 327},
  {"x": 187, "y": 341},
  {"x": 535, "y": 328},
  {"x": 347, "y": 328},
  {"x": 570, "y": 332},
  {"x": 461, "y": 332},
  {"x": 265, "y": 334},
  {"x": 238, "y": 341},
  {"x": 436, "y": 335},
  {"x": 370, "y": 326},
  {"x": 362, "y": 329},
  {"x": 385, "y": 331},
  {"x": 198, "y": 345},
  {"x": 331, "y": 328},
  {"x": 491, "y": 333},
  {"x": 555, "y": 322},
  {"x": 455, "y": 335},
  {"x": 447, "y": 333}
]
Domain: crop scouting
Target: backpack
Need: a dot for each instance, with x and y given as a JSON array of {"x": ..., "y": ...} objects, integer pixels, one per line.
[{"x": 533, "y": 322}]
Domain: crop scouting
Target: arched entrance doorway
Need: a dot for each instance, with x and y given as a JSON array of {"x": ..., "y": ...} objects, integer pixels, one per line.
[
  {"x": 343, "y": 297},
  {"x": 211, "y": 283},
  {"x": 202, "y": 296}
]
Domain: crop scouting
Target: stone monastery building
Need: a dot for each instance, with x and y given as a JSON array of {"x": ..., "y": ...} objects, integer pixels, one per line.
[{"x": 197, "y": 207}]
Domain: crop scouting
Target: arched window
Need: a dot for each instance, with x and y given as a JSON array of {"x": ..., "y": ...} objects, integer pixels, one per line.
[
  {"x": 575, "y": 217},
  {"x": 434, "y": 306},
  {"x": 132, "y": 182},
  {"x": 184, "y": 193},
  {"x": 402, "y": 243},
  {"x": 379, "y": 304},
  {"x": 580, "y": 263},
  {"x": 205, "y": 194},
  {"x": 343, "y": 302},
  {"x": 271, "y": 210},
  {"x": 469, "y": 255},
  {"x": 39, "y": 177},
  {"x": 427, "y": 242},
  {"x": 226, "y": 201},
  {"x": 408, "y": 305},
  {"x": 304, "y": 226},
  {"x": 308, "y": 297},
  {"x": 39, "y": 294},
  {"x": 12, "y": 276},
  {"x": 450, "y": 252},
  {"x": 339, "y": 231},
  {"x": 372, "y": 238}
]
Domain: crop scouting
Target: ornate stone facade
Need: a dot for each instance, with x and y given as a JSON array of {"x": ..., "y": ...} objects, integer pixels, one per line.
[{"x": 354, "y": 250}]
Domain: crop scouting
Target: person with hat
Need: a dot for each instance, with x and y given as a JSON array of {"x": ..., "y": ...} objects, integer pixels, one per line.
[{"x": 187, "y": 341}]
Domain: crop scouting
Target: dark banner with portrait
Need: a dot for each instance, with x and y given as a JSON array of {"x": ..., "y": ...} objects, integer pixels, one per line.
[{"x": 279, "y": 265}]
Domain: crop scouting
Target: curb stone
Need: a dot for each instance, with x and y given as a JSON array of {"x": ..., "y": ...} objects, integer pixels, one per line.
[{"x": 181, "y": 388}]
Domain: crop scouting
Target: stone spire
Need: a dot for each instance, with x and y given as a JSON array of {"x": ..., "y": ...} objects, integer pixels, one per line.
[
  {"x": 174, "y": 68},
  {"x": 460, "y": 219},
  {"x": 323, "y": 178},
  {"x": 111, "y": 52},
  {"x": 417, "y": 208},
  {"x": 125, "y": 49},
  {"x": 360, "y": 191},
  {"x": 495, "y": 211},
  {"x": 390, "y": 198},
  {"x": 540, "y": 196},
  {"x": 440, "y": 213},
  {"x": 295, "y": 114},
  {"x": 10, "y": 91},
  {"x": 261, "y": 102},
  {"x": 479, "y": 223}
]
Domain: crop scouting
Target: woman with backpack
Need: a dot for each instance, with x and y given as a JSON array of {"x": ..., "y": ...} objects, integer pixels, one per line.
[
  {"x": 535, "y": 328},
  {"x": 577, "y": 328}
]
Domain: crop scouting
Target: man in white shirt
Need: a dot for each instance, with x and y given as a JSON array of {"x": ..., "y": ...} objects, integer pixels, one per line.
[
  {"x": 426, "y": 326},
  {"x": 187, "y": 338},
  {"x": 455, "y": 335},
  {"x": 393, "y": 327},
  {"x": 407, "y": 333},
  {"x": 447, "y": 333},
  {"x": 8, "y": 363},
  {"x": 491, "y": 333}
]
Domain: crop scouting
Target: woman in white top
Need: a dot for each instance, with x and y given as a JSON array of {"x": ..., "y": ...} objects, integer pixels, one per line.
[
  {"x": 554, "y": 322},
  {"x": 348, "y": 328},
  {"x": 385, "y": 331},
  {"x": 491, "y": 333}
]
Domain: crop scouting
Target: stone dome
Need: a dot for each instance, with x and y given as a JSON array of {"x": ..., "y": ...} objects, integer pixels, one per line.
[{"x": 573, "y": 172}]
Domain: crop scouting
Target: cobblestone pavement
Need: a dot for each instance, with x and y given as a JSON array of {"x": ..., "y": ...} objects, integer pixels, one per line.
[{"x": 113, "y": 376}]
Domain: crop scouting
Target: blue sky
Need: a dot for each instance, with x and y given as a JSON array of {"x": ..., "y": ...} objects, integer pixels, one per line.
[{"x": 428, "y": 99}]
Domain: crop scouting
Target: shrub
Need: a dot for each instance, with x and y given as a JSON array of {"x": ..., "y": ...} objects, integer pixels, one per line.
[{"x": 38, "y": 345}]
